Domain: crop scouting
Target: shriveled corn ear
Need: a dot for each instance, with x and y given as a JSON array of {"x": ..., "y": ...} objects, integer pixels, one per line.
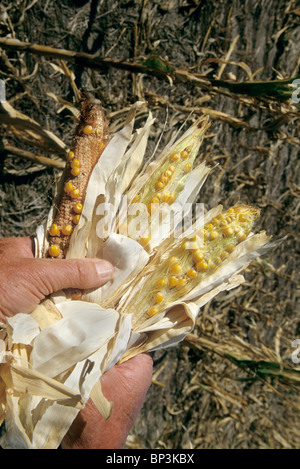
[
  {"x": 163, "y": 182},
  {"x": 189, "y": 261},
  {"x": 90, "y": 139}
]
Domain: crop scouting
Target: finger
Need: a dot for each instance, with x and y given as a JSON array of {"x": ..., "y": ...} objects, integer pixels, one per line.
[{"x": 24, "y": 283}]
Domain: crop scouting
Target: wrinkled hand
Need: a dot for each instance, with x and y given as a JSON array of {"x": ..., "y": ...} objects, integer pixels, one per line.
[{"x": 24, "y": 283}]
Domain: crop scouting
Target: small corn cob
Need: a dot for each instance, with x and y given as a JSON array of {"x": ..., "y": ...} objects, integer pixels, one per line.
[
  {"x": 169, "y": 177},
  {"x": 91, "y": 137},
  {"x": 191, "y": 261}
]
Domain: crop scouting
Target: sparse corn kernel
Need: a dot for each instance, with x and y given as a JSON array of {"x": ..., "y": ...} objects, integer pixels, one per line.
[
  {"x": 159, "y": 185},
  {"x": 198, "y": 256},
  {"x": 75, "y": 163},
  {"x": 230, "y": 249},
  {"x": 76, "y": 219},
  {"x": 75, "y": 193},
  {"x": 227, "y": 232},
  {"x": 171, "y": 168},
  {"x": 68, "y": 187},
  {"x": 153, "y": 311},
  {"x": 54, "y": 250},
  {"x": 192, "y": 273},
  {"x": 181, "y": 283},
  {"x": 66, "y": 230},
  {"x": 161, "y": 283},
  {"x": 175, "y": 269},
  {"x": 201, "y": 266},
  {"x": 174, "y": 157},
  {"x": 213, "y": 235},
  {"x": 53, "y": 230},
  {"x": 166, "y": 197},
  {"x": 158, "y": 297},
  {"x": 172, "y": 199},
  {"x": 187, "y": 168},
  {"x": 172, "y": 281},
  {"x": 87, "y": 129},
  {"x": 154, "y": 200},
  {"x": 242, "y": 237},
  {"x": 75, "y": 171},
  {"x": 224, "y": 255},
  {"x": 184, "y": 154},
  {"x": 71, "y": 155},
  {"x": 77, "y": 208},
  {"x": 242, "y": 217}
]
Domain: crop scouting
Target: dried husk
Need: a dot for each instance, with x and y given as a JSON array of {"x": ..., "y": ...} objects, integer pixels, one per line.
[{"x": 56, "y": 356}]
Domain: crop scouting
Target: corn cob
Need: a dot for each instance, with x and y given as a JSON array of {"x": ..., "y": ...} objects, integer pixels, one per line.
[
  {"x": 90, "y": 139},
  {"x": 190, "y": 261},
  {"x": 168, "y": 179}
]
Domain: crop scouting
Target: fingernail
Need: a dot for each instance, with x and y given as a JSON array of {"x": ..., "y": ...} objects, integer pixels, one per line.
[{"x": 104, "y": 269}]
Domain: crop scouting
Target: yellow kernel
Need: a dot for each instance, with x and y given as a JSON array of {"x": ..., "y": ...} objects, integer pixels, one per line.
[
  {"x": 135, "y": 198},
  {"x": 153, "y": 311},
  {"x": 164, "y": 180},
  {"x": 87, "y": 129},
  {"x": 181, "y": 283},
  {"x": 144, "y": 241},
  {"x": 78, "y": 208},
  {"x": 76, "y": 219},
  {"x": 213, "y": 235},
  {"x": 209, "y": 226},
  {"x": 201, "y": 266},
  {"x": 227, "y": 232},
  {"x": 75, "y": 172},
  {"x": 166, "y": 197},
  {"x": 230, "y": 249},
  {"x": 191, "y": 273},
  {"x": 187, "y": 168},
  {"x": 68, "y": 187},
  {"x": 159, "y": 185},
  {"x": 161, "y": 283},
  {"x": 175, "y": 268},
  {"x": 224, "y": 255},
  {"x": 154, "y": 200},
  {"x": 242, "y": 238},
  {"x": 54, "y": 250},
  {"x": 71, "y": 155},
  {"x": 173, "y": 260},
  {"x": 75, "y": 193},
  {"x": 184, "y": 154},
  {"x": 172, "y": 199},
  {"x": 242, "y": 217},
  {"x": 168, "y": 174},
  {"x": 54, "y": 230},
  {"x": 174, "y": 157},
  {"x": 75, "y": 163},
  {"x": 66, "y": 230},
  {"x": 152, "y": 208},
  {"x": 172, "y": 281},
  {"x": 171, "y": 168},
  {"x": 158, "y": 297},
  {"x": 198, "y": 256}
]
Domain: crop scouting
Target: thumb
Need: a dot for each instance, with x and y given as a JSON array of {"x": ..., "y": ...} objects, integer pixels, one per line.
[{"x": 25, "y": 282}]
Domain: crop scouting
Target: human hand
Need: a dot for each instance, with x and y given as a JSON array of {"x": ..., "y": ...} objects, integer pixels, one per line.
[{"x": 24, "y": 282}]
